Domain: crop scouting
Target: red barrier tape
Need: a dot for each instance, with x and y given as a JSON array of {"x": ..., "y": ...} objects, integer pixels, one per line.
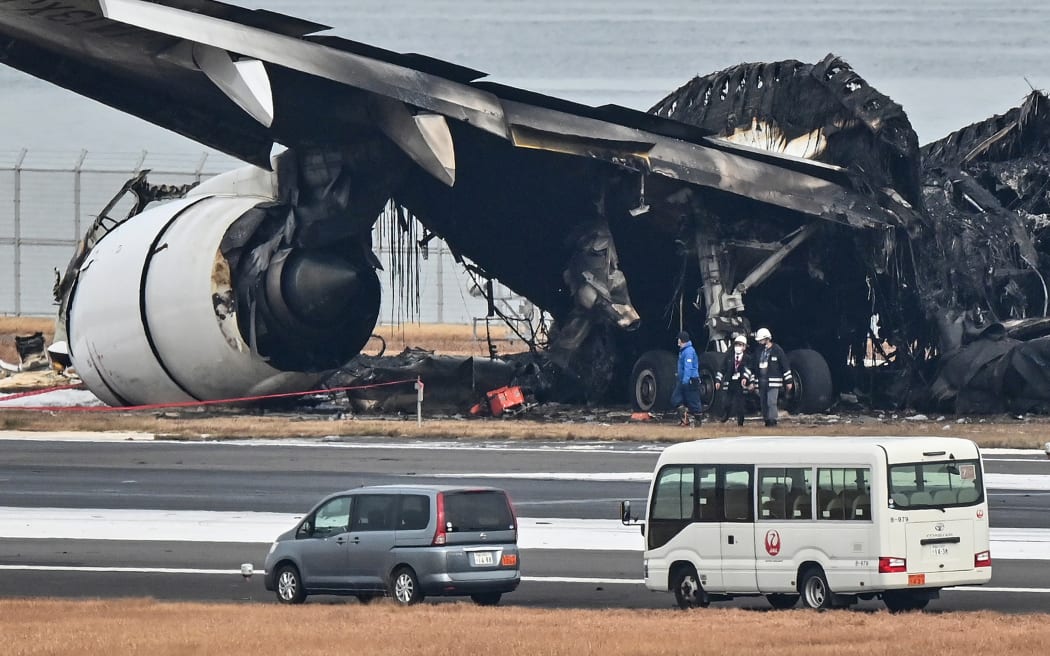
[
  {"x": 182, "y": 404},
  {"x": 46, "y": 390}
]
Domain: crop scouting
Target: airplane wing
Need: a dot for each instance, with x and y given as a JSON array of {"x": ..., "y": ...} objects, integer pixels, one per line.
[{"x": 240, "y": 80}]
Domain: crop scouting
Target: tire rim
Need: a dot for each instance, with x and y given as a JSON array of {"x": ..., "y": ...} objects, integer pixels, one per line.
[
  {"x": 645, "y": 390},
  {"x": 404, "y": 588},
  {"x": 816, "y": 592},
  {"x": 688, "y": 589},
  {"x": 287, "y": 585}
]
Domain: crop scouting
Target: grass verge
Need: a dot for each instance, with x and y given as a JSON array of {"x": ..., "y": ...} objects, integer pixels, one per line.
[
  {"x": 1029, "y": 433},
  {"x": 148, "y": 627}
]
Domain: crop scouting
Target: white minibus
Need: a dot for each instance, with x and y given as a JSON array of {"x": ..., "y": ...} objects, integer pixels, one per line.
[{"x": 825, "y": 519}]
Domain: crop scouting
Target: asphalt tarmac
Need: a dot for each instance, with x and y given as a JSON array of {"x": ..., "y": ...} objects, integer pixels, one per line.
[{"x": 551, "y": 481}]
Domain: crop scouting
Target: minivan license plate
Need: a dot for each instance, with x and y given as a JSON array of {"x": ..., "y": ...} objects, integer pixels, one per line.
[{"x": 483, "y": 558}]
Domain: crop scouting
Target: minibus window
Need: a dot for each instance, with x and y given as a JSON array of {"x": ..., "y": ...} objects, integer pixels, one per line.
[
  {"x": 736, "y": 493},
  {"x": 784, "y": 493},
  {"x": 844, "y": 493},
  {"x": 673, "y": 503},
  {"x": 673, "y": 497},
  {"x": 935, "y": 484}
]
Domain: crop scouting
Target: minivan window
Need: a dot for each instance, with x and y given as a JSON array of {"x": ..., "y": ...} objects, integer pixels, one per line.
[
  {"x": 332, "y": 518},
  {"x": 374, "y": 512},
  {"x": 483, "y": 510},
  {"x": 415, "y": 512}
]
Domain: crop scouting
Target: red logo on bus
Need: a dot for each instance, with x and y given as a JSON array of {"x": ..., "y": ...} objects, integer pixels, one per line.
[
  {"x": 772, "y": 542},
  {"x": 980, "y": 514}
]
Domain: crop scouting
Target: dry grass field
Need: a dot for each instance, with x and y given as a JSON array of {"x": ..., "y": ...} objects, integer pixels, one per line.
[
  {"x": 1007, "y": 433},
  {"x": 104, "y": 628}
]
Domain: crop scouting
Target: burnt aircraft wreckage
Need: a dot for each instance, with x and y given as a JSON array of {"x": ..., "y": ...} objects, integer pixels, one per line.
[{"x": 788, "y": 195}]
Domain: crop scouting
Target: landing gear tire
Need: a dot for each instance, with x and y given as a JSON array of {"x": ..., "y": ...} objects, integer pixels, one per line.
[
  {"x": 289, "y": 588},
  {"x": 688, "y": 592},
  {"x": 712, "y": 400},
  {"x": 782, "y": 601},
  {"x": 902, "y": 601},
  {"x": 404, "y": 587},
  {"x": 815, "y": 591},
  {"x": 811, "y": 382},
  {"x": 653, "y": 381}
]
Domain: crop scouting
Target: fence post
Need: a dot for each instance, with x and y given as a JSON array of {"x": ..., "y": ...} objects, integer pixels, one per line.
[
  {"x": 18, "y": 232},
  {"x": 77, "y": 170},
  {"x": 441, "y": 284},
  {"x": 200, "y": 166}
]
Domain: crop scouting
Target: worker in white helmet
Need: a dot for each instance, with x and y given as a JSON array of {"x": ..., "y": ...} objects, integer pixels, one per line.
[
  {"x": 772, "y": 372},
  {"x": 734, "y": 377}
]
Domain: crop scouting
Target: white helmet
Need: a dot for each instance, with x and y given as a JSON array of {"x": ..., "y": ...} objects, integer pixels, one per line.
[
  {"x": 763, "y": 333},
  {"x": 740, "y": 339}
]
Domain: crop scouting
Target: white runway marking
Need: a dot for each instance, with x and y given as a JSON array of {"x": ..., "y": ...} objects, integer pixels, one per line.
[
  {"x": 259, "y": 527},
  {"x": 525, "y": 579}
]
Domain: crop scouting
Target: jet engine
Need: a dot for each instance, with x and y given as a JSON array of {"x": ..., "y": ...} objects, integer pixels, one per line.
[{"x": 156, "y": 313}]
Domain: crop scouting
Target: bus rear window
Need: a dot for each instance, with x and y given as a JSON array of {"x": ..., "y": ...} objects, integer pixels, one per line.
[{"x": 940, "y": 484}]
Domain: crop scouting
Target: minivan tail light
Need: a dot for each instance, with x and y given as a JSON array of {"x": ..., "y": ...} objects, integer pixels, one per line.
[
  {"x": 513, "y": 514},
  {"x": 892, "y": 565},
  {"x": 982, "y": 559},
  {"x": 439, "y": 534}
]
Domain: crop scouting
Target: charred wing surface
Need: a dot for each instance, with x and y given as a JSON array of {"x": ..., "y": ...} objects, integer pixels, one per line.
[
  {"x": 964, "y": 259},
  {"x": 824, "y": 295},
  {"x": 988, "y": 187}
]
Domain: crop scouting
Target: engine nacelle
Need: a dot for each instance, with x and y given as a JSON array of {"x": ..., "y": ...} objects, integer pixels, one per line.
[{"x": 152, "y": 317}]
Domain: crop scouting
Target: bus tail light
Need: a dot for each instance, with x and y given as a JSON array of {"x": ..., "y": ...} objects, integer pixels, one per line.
[
  {"x": 982, "y": 559},
  {"x": 892, "y": 565}
]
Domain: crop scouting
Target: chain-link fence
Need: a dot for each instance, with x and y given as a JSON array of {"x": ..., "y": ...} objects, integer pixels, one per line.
[{"x": 48, "y": 201}]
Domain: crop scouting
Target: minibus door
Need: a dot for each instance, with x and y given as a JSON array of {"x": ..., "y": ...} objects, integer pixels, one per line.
[{"x": 738, "y": 529}]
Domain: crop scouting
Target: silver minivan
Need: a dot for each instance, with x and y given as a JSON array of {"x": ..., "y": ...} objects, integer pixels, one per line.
[{"x": 404, "y": 541}]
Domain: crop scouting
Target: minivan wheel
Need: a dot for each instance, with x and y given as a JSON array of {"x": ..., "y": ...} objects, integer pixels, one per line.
[
  {"x": 486, "y": 598},
  {"x": 688, "y": 592},
  {"x": 405, "y": 587},
  {"x": 289, "y": 586},
  {"x": 815, "y": 591}
]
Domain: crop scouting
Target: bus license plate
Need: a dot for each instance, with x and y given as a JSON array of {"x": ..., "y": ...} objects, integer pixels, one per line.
[
  {"x": 937, "y": 551},
  {"x": 482, "y": 558}
]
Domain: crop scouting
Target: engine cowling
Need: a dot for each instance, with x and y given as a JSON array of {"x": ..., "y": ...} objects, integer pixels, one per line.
[{"x": 154, "y": 316}]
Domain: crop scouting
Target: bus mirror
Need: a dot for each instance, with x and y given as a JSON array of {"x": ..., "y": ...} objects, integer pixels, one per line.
[{"x": 625, "y": 512}]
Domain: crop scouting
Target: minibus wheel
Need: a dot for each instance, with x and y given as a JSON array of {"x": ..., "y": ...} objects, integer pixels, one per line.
[
  {"x": 814, "y": 589},
  {"x": 782, "y": 601},
  {"x": 688, "y": 592}
]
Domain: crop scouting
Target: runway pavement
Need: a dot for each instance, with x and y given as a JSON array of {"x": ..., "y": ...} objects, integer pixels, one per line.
[{"x": 175, "y": 520}]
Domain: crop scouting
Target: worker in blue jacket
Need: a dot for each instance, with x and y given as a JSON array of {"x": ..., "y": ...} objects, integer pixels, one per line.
[{"x": 686, "y": 395}]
